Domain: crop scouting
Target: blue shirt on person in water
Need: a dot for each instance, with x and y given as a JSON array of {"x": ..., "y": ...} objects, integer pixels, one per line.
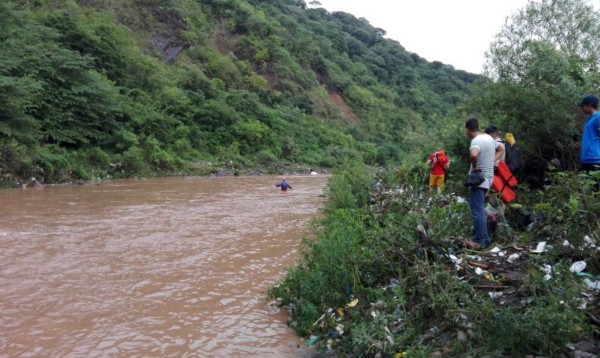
[{"x": 284, "y": 185}]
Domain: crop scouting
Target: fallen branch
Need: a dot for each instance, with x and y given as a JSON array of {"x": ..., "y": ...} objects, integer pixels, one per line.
[{"x": 478, "y": 264}]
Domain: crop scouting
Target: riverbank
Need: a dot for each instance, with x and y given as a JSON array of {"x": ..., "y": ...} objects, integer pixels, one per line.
[
  {"x": 202, "y": 169},
  {"x": 386, "y": 275}
]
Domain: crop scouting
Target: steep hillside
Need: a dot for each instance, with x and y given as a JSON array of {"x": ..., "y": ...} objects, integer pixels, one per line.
[{"x": 107, "y": 88}]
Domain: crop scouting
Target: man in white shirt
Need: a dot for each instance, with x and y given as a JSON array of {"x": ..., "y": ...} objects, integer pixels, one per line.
[{"x": 482, "y": 154}]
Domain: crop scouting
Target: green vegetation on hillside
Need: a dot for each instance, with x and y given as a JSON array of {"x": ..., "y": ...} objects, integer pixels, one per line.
[{"x": 107, "y": 88}]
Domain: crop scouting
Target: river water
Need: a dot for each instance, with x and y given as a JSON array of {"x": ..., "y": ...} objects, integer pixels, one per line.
[{"x": 174, "y": 267}]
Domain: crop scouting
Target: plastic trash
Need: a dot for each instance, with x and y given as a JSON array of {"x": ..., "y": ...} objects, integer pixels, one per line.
[
  {"x": 541, "y": 246},
  {"x": 513, "y": 257},
  {"x": 588, "y": 241},
  {"x": 495, "y": 295},
  {"x": 548, "y": 270},
  {"x": 578, "y": 266},
  {"x": 594, "y": 285},
  {"x": 353, "y": 303},
  {"x": 495, "y": 250},
  {"x": 312, "y": 340},
  {"x": 455, "y": 259}
]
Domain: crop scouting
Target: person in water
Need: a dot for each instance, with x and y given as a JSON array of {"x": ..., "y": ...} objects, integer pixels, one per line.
[{"x": 284, "y": 185}]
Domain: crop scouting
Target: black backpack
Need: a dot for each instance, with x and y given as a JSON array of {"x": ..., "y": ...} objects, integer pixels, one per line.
[{"x": 513, "y": 157}]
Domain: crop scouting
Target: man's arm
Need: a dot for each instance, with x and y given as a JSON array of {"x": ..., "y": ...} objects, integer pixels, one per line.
[
  {"x": 473, "y": 157},
  {"x": 499, "y": 151}
]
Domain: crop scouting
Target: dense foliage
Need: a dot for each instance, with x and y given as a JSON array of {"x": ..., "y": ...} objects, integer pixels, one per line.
[
  {"x": 386, "y": 276},
  {"x": 100, "y": 88}
]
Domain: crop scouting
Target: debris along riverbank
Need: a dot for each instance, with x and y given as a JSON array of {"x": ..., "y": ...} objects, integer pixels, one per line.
[{"x": 385, "y": 275}]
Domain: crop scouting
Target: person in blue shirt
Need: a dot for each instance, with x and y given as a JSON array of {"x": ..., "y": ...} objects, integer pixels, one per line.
[
  {"x": 590, "y": 140},
  {"x": 284, "y": 185}
]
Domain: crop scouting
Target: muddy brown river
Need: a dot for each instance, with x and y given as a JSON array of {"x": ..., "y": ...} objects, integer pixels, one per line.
[{"x": 175, "y": 267}]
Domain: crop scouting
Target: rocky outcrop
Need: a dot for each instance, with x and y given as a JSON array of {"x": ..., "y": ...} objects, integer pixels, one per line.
[{"x": 171, "y": 48}]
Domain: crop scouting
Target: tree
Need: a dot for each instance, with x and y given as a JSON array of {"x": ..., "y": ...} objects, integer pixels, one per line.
[
  {"x": 545, "y": 57},
  {"x": 570, "y": 26}
]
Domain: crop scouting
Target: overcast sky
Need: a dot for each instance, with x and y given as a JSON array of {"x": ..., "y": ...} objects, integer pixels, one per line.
[{"x": 455, "y": 32}]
